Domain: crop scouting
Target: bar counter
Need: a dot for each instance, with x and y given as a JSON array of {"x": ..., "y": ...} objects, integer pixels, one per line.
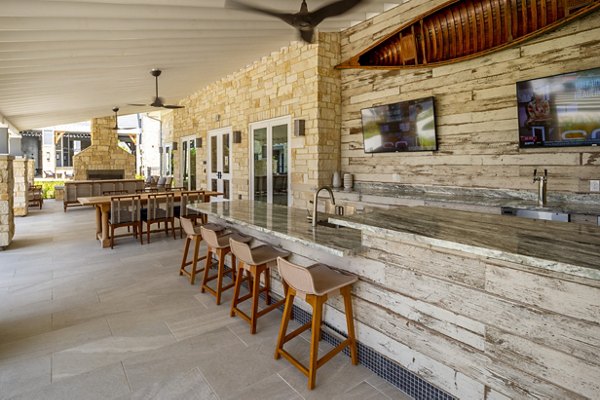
[
  {"x": 284, "y": 222},
  {"x": 476, "y": 305},
  {"x": 557, "y": 246}
]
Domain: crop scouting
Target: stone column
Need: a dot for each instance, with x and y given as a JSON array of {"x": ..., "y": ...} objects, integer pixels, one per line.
[
  {"x": 30, "y": 171},
  {"x": 21, "y": 184},
  {"x": 7, "y": 218}
]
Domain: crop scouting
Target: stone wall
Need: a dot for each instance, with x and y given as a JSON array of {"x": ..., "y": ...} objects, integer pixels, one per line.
[
  {"x": 7, "y": 218},
  {"x": 297, "y": 81},
  {"x": 104, "y": 153},
  {"x": 30, "y": 170},
  {"x": 21, "y": 186},
  {"x": 475, "y": 108}
]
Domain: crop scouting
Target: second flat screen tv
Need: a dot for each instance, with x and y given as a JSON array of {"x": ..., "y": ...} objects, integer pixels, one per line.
[
  {"x": 561, "y": 110},
  {"x": 404, "y": 126}
]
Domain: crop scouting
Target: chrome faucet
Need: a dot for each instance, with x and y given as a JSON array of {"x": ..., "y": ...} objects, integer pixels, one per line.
[
  {"x": 314, "y": 210},
  {"x": 542, "y": 186}
]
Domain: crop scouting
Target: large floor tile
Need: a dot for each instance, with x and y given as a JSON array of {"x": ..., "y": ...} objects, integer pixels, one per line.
[
  {"x": 188, "y": 385},
  {"x": 24, "y": 375},
  {"x": 106, "y": 351},
  {"x": 104, "y": 383}
]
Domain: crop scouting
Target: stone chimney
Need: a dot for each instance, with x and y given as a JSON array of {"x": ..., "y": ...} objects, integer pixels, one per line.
[{"x": 104, "y": 159}]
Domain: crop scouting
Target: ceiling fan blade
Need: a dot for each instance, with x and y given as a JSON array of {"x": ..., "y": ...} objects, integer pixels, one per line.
[
  {"x": 171, "y": 106},
  {"x": 138, "y": 105},
  {"x": 333, "y": 9}
]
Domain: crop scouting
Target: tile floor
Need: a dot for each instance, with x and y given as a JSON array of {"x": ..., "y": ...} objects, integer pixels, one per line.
[{"x": 81, "y": 322}]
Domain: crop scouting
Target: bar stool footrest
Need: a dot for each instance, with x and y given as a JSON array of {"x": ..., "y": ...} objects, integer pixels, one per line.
[{"x": 293, "y": 360}]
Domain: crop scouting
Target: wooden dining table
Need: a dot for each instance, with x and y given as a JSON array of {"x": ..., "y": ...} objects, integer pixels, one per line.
[{"x": 102, "y": 205}]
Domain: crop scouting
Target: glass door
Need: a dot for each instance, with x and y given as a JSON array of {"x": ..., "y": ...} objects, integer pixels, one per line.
[
  {"x": 219, "y": 163},
  {"x": 188, "y": 162},
  {"x": 270, "y": 160}
]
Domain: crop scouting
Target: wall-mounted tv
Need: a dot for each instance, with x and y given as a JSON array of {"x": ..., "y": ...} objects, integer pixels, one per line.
[
  {"x": 404, "y": 126},
  {"x": 560, "y": 110}
]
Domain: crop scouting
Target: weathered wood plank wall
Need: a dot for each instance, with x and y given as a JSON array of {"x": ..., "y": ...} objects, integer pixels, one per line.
[
  {"x": 475, "y": 108},
  {"x": 507, "y": 329}
]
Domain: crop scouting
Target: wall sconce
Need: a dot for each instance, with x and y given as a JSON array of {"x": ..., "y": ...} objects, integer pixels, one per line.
[
  {"x": 198, "y": 142},
  {"x": 299, "y": 126},
  {"x": 237, "y": 136},
  {"x": 174, "y": 146}
]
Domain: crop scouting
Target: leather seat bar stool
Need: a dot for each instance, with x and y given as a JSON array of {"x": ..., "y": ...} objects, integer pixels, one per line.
[
  {"x": 217, "y": 243},
  {"x": 194, "y": 234},
  {"x": 314, "y": 284},
  {"x": 255, "y": 261}
]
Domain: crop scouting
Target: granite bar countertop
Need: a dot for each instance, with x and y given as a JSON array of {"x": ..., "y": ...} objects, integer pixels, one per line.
[
  {"x": 557, "y": 246},
  {"x": 284, "y": 222},
  {"x": 390, "y": 193}
]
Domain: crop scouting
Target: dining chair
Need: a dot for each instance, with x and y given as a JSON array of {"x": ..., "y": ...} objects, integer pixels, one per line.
[
  {"x": 160, "y": 208},
  {"x": 181, "y": 209},
  {"x": 35, "y": 196},
  {"x": 125, "y": 211}
]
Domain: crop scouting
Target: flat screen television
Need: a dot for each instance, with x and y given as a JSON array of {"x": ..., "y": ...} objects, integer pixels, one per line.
[
  {"x": 404, "y": 126},
  {"x": 561, "y": 110}
]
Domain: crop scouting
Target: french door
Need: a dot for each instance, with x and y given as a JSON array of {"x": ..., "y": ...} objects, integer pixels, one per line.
[
  {"x": 188, "y": 162},
  {"x": 269, "y": 161},
  {"x": 219, "y": 162}
]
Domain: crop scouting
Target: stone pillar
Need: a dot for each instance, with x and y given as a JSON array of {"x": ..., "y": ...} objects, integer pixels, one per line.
[
  {"x": 7, "y": 218},
  {"x": 3, "y": 140},
  {"x": 30, "y": 171},
  {"x": 21, "y": 184}
]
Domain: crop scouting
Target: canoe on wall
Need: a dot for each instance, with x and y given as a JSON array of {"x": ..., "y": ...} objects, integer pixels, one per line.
[{"x": 464, "y": 29}]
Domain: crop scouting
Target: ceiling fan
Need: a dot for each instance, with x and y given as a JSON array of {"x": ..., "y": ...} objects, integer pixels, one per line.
[
  {"x": 158, "y": 101},
  {"x": 303, "y": 20},
  {"x": 116, "y": 127}
]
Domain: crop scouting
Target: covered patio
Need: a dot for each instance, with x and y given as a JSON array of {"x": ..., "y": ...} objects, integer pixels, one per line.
[{"x": 79, "y": 321}]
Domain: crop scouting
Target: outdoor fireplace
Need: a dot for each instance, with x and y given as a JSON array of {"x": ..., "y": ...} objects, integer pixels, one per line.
[
  {"x": 104, "y": 159},
  {"x": 94, "y": 174}
]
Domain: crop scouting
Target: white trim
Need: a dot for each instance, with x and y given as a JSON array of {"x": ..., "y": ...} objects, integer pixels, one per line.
[{"x": 268, "y": 124}]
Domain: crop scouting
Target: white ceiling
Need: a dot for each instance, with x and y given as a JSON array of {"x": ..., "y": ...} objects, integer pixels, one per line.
[{"x": 71, "y": 60}]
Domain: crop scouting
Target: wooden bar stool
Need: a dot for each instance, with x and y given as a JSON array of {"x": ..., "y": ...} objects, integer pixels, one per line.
[
  {"x": 314, "y": 284},
  {"x": 193, "y": 233},
  {"x": 218, "y": 244},
  {"x": 255, "y": 261}
]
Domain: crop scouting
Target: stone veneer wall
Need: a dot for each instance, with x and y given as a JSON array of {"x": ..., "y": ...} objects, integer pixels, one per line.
[
  {"x": 7, "y": 218},
  {"x": 475, "y": 108},
  {"x": 30, "y": 170},
  {"x": 21, "y": 185},
  {"x": 298, "y": 81},
  {"x": 104, "y": 152}
]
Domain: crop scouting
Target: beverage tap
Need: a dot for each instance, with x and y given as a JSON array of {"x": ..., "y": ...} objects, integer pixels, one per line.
[{"x": 542, "y": 186}]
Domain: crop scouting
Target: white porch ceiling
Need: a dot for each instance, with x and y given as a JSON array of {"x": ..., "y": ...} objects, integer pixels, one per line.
[{"x": 71, "y": 60}]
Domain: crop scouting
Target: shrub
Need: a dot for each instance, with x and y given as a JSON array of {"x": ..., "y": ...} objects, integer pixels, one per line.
[{"x": 48, "y": 187}]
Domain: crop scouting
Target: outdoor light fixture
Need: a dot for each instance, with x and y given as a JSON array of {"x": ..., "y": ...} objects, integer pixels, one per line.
[
  {"x": 299, "y": 126},
  {"x": 237, "y": 136}
]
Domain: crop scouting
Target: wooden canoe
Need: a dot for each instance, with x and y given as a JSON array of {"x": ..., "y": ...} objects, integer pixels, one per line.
[{"x": 462, "y": 29}]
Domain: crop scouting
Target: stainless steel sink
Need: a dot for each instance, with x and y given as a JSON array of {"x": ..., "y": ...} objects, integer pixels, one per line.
[{"x": 535, "y": 214}]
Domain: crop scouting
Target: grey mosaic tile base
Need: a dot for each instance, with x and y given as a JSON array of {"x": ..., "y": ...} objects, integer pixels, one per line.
[{"x": 389, "y": 370}]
